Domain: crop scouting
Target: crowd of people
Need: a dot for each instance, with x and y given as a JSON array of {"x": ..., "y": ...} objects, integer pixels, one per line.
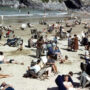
[{"x": 48, "y": 53}]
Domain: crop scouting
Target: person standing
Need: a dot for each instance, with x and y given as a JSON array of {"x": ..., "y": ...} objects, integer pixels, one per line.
[
  {"x": 75, "y": 43},
  {"x": 69, "y": 42},
  {"x": 60, "y": 31},
  {"x": 39, "y": 44}
]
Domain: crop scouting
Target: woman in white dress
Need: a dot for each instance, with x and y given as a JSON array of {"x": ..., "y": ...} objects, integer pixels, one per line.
[{"x": 68, "y": 85}]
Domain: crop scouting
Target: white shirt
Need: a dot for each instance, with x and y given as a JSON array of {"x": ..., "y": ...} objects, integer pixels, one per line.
[
  {"x": 1, "y": 57},
  {"x": 69, "y": 85},
  {"x": 36, "y": 68},
  {"x": 44, "y": 59},
  {"x": 87, "y": 54}
]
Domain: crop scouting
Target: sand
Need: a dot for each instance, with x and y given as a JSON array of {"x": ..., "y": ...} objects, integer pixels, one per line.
[{"x": 16, "y": 71}]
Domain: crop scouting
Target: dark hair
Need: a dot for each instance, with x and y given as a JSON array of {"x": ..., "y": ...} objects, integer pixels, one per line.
[
  {"x": 40, "y": 38},
  {"x": 75, "y": 35},
  {"x": 66, "y": 56},
  {"x": 0, "y": 68},
  {"x": 38, "y": 61},
  {"x": 1, "y": 53},
  {"x": 71, "y": 73},
  {"x": 65, "y": 76}
]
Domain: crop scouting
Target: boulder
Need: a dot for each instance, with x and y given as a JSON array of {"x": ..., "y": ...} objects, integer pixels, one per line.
[{"x": 73, "y": 4}]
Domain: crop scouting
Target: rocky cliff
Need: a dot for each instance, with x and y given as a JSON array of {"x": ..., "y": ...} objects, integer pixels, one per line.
[
  {"x": 38, "y": 4},
  {"x": 86, "y": 2}
]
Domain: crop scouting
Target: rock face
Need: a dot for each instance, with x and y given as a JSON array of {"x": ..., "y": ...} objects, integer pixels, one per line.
[
  {"x": 38, "y": 4},
  {"x": 86, "y": 2},
  {"x": 8, "y": 2},
  {"x": 73, "y": 4},
  {"x": 55, "y": 6}
]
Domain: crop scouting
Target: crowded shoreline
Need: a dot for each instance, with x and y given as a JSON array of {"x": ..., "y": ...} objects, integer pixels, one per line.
[{"x": 26, "y": 55}]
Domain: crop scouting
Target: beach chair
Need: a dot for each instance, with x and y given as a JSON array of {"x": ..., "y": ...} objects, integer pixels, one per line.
[{"x": 39, "y": 75}]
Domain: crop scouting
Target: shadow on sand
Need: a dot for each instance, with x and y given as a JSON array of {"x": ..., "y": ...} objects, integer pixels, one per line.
[
  {"x": 34, "y": 56},
  {"x": 53, "y": 88}
]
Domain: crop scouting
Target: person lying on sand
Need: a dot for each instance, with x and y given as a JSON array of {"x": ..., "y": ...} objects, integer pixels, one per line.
[
  {"x": 68, "y": 85},
  {"x": 3, "y": 75},
  {"x": 11, "y": 61},
  {"x": 5, "y": 86}
]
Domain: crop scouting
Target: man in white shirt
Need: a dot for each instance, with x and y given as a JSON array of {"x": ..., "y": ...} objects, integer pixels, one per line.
[{"x": 36, "y": 68}]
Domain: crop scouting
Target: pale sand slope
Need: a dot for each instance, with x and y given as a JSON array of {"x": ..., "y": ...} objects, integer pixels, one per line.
[{"x": 17, "y": 71}]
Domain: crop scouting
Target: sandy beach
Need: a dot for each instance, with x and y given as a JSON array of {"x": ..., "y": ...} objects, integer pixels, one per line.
[{"x": 26, "y": 55}]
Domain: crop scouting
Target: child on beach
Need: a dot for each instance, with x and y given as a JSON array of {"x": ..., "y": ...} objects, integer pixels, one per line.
[{"x": 65, "y": 60}]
